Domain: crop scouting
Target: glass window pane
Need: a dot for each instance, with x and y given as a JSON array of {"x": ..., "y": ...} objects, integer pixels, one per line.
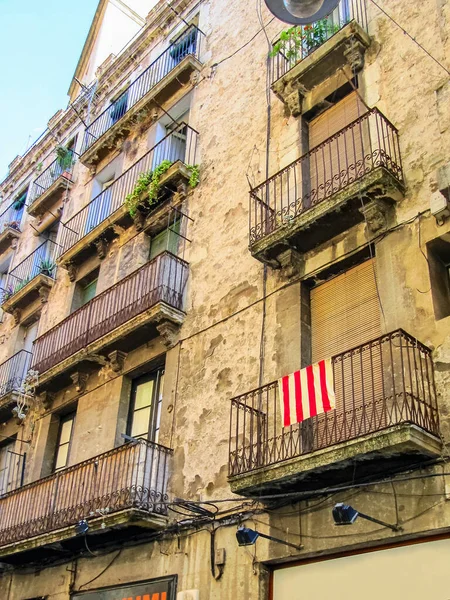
[
  {"x": 66, "y": 430},
  {"x": 141, "y": 420},
  {"x": 144, "y": 394},
  {"x": 61, "y": 457},
  {"x": 88, "y": 292}
]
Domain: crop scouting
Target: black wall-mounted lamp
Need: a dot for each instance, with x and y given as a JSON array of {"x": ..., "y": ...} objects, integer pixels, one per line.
[
  {"x": 82, "y": 527},
  {"x": 247, "y": 537},
  {"x": 301, "y": 12},
  {"x": 344, "y": 514}
]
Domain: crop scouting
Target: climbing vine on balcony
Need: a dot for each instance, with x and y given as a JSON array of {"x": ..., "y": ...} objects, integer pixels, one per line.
[{"x": 149, "y": 183}]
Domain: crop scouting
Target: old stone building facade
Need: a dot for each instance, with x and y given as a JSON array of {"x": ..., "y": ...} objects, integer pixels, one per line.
[{"x": 150, "y": 304}]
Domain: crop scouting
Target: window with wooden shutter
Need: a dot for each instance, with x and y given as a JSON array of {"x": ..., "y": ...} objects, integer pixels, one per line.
[
  {"x": 345, "y": 314},
  {"x": 336, "y": 163}
]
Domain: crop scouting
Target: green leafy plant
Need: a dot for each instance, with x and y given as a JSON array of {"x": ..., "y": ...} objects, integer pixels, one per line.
[
  {"x": 46, "y": 267},
  {"x": 64, "y": 157},
  {"x": 194, "y": 179},
  {"x": 296, "y": 41},
  {"x": 21, "y": 285},
  {"x": 38, "y": 167},
  {"x": 149, "y": 183}
]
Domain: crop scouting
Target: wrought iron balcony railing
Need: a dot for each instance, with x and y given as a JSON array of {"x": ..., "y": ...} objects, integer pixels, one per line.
[
  {"x": 308, "y": 38},
  {"x": 161, "y": 280},
  {"x": 385, "y": 382},
  {"x": 12, "y": 216},
  {"x": 13, "y": 372},
  {"x": 51, "y": 174},
  {"x": 187, "y": 44},
  {"x": 179, "y": 144},
  {"x": 133, "y": 476},
  {"x": 369, "y": 142},
  {"x": 40, "y": 262}
]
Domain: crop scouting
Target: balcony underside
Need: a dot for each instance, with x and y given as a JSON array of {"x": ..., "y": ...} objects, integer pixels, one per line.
[
  {"x": 177, "y": 175},
  {"x": 7, "y": 403},
  {"x": 301, "y": 87},
  {"x": 64, "y": 542},
  {"x": 48, "y": 198},
  {"x": 396, "y": 448},
  {"x": 127, "y": 337},
  {"x": 26, "y": 302},
  {"x": 328, "y": 218},
  {"x": 178, "y": 79},
  {"x": 8, "y": 238}
]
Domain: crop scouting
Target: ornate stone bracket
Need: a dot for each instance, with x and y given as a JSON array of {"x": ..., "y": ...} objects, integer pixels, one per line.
[
  {"x": 43, "y": 292},
  {"x": 354, "y": 54},
  {"x": 47, "y": 399},
  {"x": 101, "y": 246},
  {"x": 71, "y": 270},
  {"x": 294, "y": 103},
  {"x": 139, "y": 220},
  {"x": 79, "y": 380},
  {"x": 169, "y": 332},
  {"x": 117, "y": 360},
  {"x": 375, "y": 214},
  {"x": 16, "y": 313},
  {"x": 291, "y": 263}
]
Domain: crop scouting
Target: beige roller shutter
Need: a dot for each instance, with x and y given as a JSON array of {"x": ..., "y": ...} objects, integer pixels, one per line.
[
  {"x": 345, "y": 314},
  {"x": 339, "y": 161},
  {"x": 335, "y": 118}
]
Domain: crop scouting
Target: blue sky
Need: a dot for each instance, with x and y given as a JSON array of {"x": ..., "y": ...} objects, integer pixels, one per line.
[{"x": 40, "y": 44}]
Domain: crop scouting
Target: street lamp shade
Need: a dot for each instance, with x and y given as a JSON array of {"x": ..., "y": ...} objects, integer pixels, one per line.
[
  {"x": 343, "y": 514},
  {"x": 246, "y": 536},
  {"x": 301, "y": 12}
]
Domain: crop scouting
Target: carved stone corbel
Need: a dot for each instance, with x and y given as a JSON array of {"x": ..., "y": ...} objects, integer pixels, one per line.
[
  {"x": 139, "y": 220},
  {"x": 375, "y": 214},
  {"x": 101, "y": 247},
  {"x": 79, "y": 380},
  {"x": 16, "y": 313},
  {"x": 169, "y": 332},
  {"x": 194, "y": 78},
  {"x": 71, "y": 270},
  {"x": 117, "y": 360},
  {"x": 354, "y": 54},
  {"x": 47, "y": 399},
  {"x": 294, "y": 103},
  {"x": 43, "y": 292},
  {"x": 291, "y": 262}
]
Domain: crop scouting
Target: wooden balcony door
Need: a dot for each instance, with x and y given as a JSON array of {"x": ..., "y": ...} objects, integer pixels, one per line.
[{"x": 345, "y": 313}]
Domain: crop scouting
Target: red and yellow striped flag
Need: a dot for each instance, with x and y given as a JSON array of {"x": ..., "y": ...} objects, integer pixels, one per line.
[{"x": 307, "y": 393}]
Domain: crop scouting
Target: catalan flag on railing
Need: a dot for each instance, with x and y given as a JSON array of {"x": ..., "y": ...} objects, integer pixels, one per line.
[{"x": 307, "y": 393}]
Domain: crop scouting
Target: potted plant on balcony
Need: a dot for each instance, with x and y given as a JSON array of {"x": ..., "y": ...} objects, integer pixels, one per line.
[
  {"x": 6, "y": 293},
  {"x": 47, "y": 267},
  {"x": 64, "y": 159},
  {"x": 12, "y": 225},
  {"x": 297, "y": 42}
]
